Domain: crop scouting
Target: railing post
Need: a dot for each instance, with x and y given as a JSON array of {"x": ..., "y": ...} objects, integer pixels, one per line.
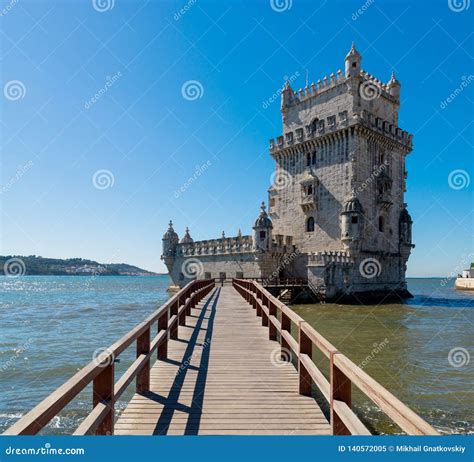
[
  {"x": 163, "y": 325},
  {"x": 174, "y": 311},
  {"x": 285, "y": 347},
  {"x": 184, "y": 312},
  {"x": 143, "y": 347},
  {"x": 272, "y": 310},
  {"x": 341, "y": 391},
  {"x": 103, "y": 392},
  {"x": 306, "y": 347},
  {"x": 185, "y": 297},
  {"x": 265, "y": 320}
]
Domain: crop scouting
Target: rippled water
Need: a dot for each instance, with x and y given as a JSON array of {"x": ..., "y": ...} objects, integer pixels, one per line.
[
  {"x": 50, "y": 327},
  {"x": 406, "y": 347}
]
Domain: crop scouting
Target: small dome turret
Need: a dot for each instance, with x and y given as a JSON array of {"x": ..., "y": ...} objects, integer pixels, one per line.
[
  {"x": 262, "y": 231},
  {"x": 170, "y": 233},
  {"x": 394, "y": 86},
  {"x": 187, "y": 239},
  {"x": 352, "y": 205},
  {"x": 352, "y": 62},
  {"x": 263, "y": 220}
]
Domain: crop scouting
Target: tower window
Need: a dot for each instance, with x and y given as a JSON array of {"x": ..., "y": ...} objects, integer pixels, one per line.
[
  {"x": 310, "y": 190},
  {"x": 381, "y": 224},
  {"x": 313, "y": 158},
  {"x": 310, "y": 225},
  {"x": 354, "y": 64},
  {"x": 308, "y": 159},
  {"x": 355, "y": 220},
  {"x": 263, "y": 234}
]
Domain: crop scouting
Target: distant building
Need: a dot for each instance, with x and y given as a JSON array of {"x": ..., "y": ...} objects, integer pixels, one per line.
[{"x": 337, "y": 216}]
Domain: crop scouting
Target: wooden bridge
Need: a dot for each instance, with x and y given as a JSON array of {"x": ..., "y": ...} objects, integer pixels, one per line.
[{"x": 224, "y": 365}]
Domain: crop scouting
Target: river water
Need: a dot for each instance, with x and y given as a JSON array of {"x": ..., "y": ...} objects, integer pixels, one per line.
[{"x": 50, "y": 327}]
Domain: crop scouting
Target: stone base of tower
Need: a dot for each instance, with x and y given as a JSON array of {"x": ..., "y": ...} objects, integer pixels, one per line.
[{"x": 358, "y": 278}]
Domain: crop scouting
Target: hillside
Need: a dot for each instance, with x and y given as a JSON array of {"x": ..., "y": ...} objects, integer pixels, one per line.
[{"x": 35, "y": 265}]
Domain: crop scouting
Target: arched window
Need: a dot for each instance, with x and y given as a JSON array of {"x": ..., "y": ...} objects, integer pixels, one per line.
[
  {"x": 263, "y": 235},
  {"x": 310, "y": 190},
  {"x": 310, "y": 225}
]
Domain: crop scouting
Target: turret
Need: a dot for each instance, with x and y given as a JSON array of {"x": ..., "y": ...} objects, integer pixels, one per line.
[
  {"x": 352, "y": 223},
  {"x": 405, "y": 224},
  {"x": 187, "y": 239},
  {"x": 262, "y": 231},
  {"x": 352, "y": 62},
  {"x": 394, "y": 87},
  {"x": 286, "y": 96},
  {"x": 170, "y": 241}
]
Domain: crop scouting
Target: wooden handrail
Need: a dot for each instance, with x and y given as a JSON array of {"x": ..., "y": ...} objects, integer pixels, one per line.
[
  {"x": 343, "y": 372},
  {"x": 101, "y": 371}
]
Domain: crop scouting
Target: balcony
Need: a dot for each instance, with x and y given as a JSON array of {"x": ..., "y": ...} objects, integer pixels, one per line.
[{"x": 309, "y": 203}]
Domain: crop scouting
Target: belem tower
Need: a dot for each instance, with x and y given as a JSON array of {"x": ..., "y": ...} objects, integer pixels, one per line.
[{"x": 336, "y": 213}]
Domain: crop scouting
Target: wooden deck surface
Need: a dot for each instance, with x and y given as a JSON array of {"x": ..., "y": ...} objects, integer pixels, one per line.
[{"x": 222, "y": 376}]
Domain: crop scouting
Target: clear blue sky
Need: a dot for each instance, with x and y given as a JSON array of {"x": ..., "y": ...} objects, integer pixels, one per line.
[{"x": 142, "y": 129}]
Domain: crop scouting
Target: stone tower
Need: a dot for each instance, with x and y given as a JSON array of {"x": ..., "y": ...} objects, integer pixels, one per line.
[{"x": 340, "y": 182}]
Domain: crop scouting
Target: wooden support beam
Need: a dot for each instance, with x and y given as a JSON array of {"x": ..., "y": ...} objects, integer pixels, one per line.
[
  {"x": 340, "y": 391},
  {"x": 103, "y": 392},
  {"x": 143, "y": 348},
  {"x": 162, "y": 351},
  {"x": 306, "y": 348}
]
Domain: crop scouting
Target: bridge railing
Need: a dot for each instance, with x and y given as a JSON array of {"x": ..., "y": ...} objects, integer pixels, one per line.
[
  {"x": 100, "y": 372},
  {"x": 343, "y": 372}
]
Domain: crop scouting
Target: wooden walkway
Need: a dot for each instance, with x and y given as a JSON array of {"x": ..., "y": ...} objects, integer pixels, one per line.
[{"x": 222, "y": 376}]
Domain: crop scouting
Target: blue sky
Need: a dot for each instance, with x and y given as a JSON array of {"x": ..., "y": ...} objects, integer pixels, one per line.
[{"x": 137, "y": 55}]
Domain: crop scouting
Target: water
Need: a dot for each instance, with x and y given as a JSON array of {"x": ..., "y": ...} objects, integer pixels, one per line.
[{"x": 50, "y": 327}]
